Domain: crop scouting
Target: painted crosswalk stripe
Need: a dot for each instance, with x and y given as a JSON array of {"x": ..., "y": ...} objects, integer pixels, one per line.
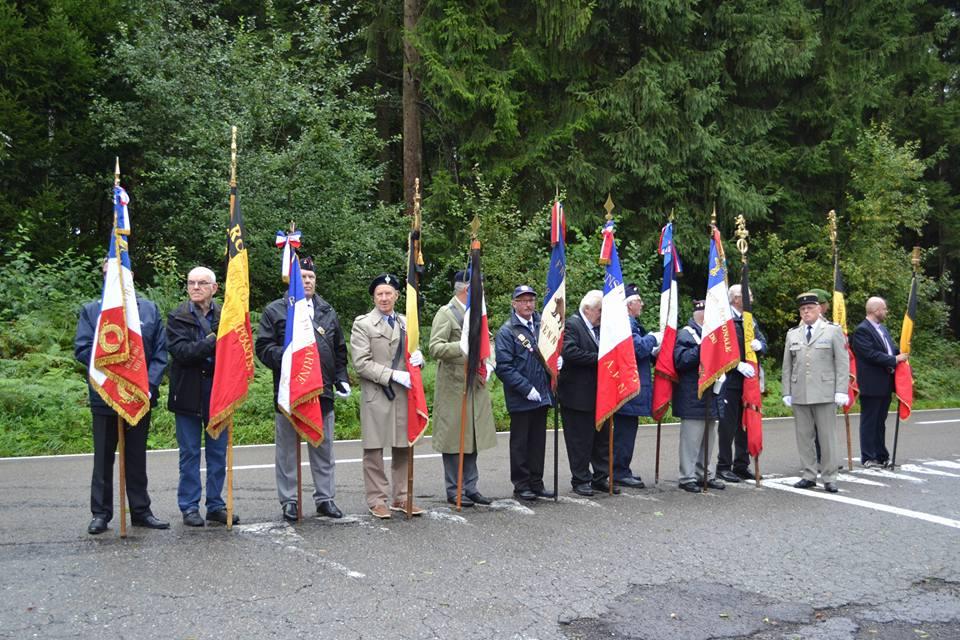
[
  {"x": 782, "y": 485},
  {"x": 915, "y": 468},
  {"x": 889, "y": 475},
  {"x": 946, "y": 464},
  {"x": 846, "y": 477}
]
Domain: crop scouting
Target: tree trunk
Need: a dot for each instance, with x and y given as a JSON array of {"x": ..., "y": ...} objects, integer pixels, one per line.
[
  {"x": 412, "y": 150},
  {"x": 384, "y": 122}
]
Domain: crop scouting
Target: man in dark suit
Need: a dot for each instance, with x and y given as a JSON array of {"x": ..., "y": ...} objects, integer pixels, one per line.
[
  {"x": 877, "y": 357},
  {"x": 577, "y": 390}
]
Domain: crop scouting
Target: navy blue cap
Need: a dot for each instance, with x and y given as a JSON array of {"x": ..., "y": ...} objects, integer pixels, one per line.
[
  {"x": 306, "y": 264},
  {"x": 699, "y": 305},
  {"x": 385, "y": 278},
  {"x": 630, "y": 291},
  {"x": 523, "y": 289}
]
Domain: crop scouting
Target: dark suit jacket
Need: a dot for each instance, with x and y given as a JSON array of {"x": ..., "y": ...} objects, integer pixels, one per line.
[
  {"x": 577, "y": 387},
  {"x": 874, "y": 366}
]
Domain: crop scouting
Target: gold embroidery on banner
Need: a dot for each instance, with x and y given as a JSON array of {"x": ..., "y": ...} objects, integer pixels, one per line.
[{"x": 110, "y": 329}]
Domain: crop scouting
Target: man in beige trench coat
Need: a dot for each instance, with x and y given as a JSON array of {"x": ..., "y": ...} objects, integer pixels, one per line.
[
  {"x": 481, "y": 432},
  {"x": 377, "y": 345}
]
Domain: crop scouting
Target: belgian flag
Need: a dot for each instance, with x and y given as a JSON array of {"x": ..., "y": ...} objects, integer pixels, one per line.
[
  {"x": 840, "y": 318},
  {"x": 417, "y": 414},
  {"x": 903, "y": 375},
  {"x": 233, "y": 368}
]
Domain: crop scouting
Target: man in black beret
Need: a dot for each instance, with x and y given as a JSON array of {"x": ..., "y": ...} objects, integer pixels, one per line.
[{"x": 332, "y": 349}]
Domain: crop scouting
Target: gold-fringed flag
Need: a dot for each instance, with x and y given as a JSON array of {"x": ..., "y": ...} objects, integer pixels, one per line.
[
  {"x": 752, "y": 399},
  {"x": 719, "y": 351},
  {"x": 903, "y": 374},
  {"x": 118, "y": 367},
  {"x": 234, "y": 357},
  {"x": 417, "y": 414}
]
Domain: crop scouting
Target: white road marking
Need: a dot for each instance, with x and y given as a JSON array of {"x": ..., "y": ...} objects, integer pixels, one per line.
[
  {"x": 886, "y": 508},
  {"x": 889, "y": 475},
  {"x": 846, "y": 477},
  {"x": 284, "y": 534},
  {"x": 936, "y": 421},
  {"x": 580, "y": 501},
  {"x": 640, "y": 496},
  {"x": 946, "y": 464},
  {"x": 444, "y": 515},
  {"x": 509, "y": 504},
  {"x": 915, "y": 468}
]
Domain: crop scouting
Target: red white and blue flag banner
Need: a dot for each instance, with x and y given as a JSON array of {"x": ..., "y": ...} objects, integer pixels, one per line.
[
  {"x": 665, "y": 373},
  {"x": 475, "y": 335},
  {"x": 118, "y": 365},
  {"x": 617, "y": 377},
  {"x": 289, "y": 242},
  {"x": 550, "y": 340},
  {"x": 719, "y": 351},
  {"x": 301, "y": 381}
]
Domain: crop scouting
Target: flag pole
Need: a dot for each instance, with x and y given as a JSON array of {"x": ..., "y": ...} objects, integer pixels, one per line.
[
  {"x": 121, "y": 434},
  {"x": 415, "y": 249},
  {"x": 556, "y": 398},
  {"x": 233, "y": 185},
  {"x": 293, "y": 228},
  {"x": 832, "y": 217},
  {"x": 463, "y": 431},
  {"x": 915, "y": 261},
  {"x": 708, "y": 396},
  {"x": 608, "y": 205},
  {"x": 656, "y": 471}
]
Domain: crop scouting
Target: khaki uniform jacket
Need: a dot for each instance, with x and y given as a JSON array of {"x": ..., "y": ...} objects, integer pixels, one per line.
[
  {"x": 814, "y": 372},
  {"x": 373, "y": 344},
  {"x": 448, "y": 392}
]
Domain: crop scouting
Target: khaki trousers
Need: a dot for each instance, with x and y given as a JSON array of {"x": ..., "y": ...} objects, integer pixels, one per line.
[
  {"x": 820, "y": 421},
  {"x": 375, "y": 476}
]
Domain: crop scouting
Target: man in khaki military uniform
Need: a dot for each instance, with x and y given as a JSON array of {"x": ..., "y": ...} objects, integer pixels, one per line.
[
  {"x": 378, "y": 349},
  {"x": 816, "y": 367},
  {"x": 481, "y": 432}
]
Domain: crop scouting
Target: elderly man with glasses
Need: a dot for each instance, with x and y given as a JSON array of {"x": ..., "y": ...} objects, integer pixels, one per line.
[{"x": 192, "y": 343}]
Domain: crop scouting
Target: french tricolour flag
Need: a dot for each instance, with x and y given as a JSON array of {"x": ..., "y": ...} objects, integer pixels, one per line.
[
  {"x": 475, "y": 334},
  {"x": 301, "y": 381},
  {"x": 550, "y": 340},
  {"x": 665, "y": 373},
  {"x": 617, "y": 378},
  {"x": 118, "y": 366},
  {"x": 719, "y": 351}
]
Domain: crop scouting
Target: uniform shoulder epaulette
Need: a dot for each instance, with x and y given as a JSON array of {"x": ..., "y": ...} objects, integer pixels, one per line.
[{"x": 361, "y": 317}]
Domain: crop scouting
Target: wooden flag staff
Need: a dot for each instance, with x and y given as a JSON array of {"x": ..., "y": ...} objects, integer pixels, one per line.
[{"x": 121, "y": 432}]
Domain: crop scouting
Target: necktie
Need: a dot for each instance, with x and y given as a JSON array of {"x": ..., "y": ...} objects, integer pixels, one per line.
[
  {"x": 596, "y": 333},
  {"x": 883, "y": 338},
  {"x": 530, "y": 327},
  {"x": 392, "y": 321},
  {"x": 809, "y": 333}
]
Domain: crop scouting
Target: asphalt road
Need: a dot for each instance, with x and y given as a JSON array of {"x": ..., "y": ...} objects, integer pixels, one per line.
[{"x": 879, "y": 560}]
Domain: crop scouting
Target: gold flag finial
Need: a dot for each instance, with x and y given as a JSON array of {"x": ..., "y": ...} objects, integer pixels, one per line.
[
  {"x": 670, "y": 218},
  {"x": 116, "y": 173},
  {"x": 475, "y": 227},
  {"x": 557, "y": 196},
  {"x": 415, "y": 223},
  {"x": 609, "y": 206},
  {"x": 713, "y": 216},
  {"x": 915, "y": 259},
  {"x": 293, "y": 226},
  {"x": 233, "y": 156},
  {"x": 742, "y": 235},
  {"x": 832, "y": 218}
]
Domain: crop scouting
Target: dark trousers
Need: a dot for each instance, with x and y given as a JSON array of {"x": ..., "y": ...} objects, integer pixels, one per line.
[
  {"x": 528, "y": 440},
  {"x": 451, "y": 469},
  {"x": 624, "y": 440},
  {"x": 585, "y": 446},
  {"x": 104, "y": 448},
  {"x": 732, "y": 435},
  {"x": 873, "y": 428}
]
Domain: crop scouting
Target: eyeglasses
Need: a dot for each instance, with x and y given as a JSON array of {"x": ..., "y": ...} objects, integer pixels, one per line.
[{"x": 197, "y": 283}]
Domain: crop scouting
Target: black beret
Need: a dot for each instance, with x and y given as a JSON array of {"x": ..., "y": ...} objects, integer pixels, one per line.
[
  {"x": 699, "y": 305},
  {"x": 385, "y": 278},
  {"x": 306, "y": 264},
  {"x": 630, "y": 290}
]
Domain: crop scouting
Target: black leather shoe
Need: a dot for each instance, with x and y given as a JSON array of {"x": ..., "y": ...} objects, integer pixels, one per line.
[
  {"x": 603, "y": 487},
  {"x": 743, "y": 474},
  {"x": 713, "y": 483},
  {"x": 728, "y": 476},
  {"x": 221, "y": 516},
  {"x": 525, "y": 494},
  {"x": 479, "y": 498},
  {"x": 583, "y": 489},
  {"x": 631, "y": 482},
  {"x": 803, "y": 483},
  {"x": 544, "y": 493},
  {"x": 290, "y": 511},
  {"x": 97, "y": 525},
  {"x": 329, "y": 509},
  {"x": 192, "y": 519},
  {"x": 830, "y": 487},
  {"x": 691, "y": 487},
  {"x": 464, "y": 501},
  {"x": 149, "y": 521}
]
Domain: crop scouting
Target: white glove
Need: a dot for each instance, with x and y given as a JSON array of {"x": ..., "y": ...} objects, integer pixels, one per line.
[
  {"x": 841, "y": 399},
  {"x": 559, "y": 363},
  {"x": 719, "y": 383},
  {"x": 342, "y": 389},
  {"x": 756, "y": 345},
  {"x": 746, "y": 370},
  {"x": 402, "y": 378},
  {"x": 655, "y": 351},
  {"x": 534, "y": 395},
  {"x": 788, "y": 400},
  {"x": 416, "y": 358},
  {"x": 489, "y": 372},
  {"x": 658, "y": 335}
]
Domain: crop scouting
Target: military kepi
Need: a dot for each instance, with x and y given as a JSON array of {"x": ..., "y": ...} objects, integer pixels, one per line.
[
  {"x": 808, "y": 297},
  {"x": 385, "y": 278},
  {"x": 523, "y": 289}
]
